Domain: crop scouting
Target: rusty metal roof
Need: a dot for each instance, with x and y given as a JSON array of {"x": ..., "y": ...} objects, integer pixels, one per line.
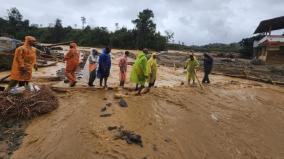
[{"x": 275, "y": 24}]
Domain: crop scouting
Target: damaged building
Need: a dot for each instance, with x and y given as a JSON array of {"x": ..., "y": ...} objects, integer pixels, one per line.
[{"x": 270, "y": 49}]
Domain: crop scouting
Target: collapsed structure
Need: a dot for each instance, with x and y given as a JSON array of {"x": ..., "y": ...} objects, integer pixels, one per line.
[
  {"x": 270, "y": 49},
  {"x": 46, "y": 54}
]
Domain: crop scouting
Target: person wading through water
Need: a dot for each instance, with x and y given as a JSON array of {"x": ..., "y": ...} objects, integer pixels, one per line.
[
  {"x": 72, "y": 58},
  {"x": 123, "y": 68},
  {"x": 104, "y": 66},
  {"x": 208, "y": 65},
  {"x": 23, "y": 64},
  {"x": 139, "y": 73}
]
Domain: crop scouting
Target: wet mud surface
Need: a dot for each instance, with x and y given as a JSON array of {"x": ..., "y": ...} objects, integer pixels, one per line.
[
  {"x": 12, "y": 133},
  {"x": 237, "y": 120},
  {"x": 230, "y": 118}
]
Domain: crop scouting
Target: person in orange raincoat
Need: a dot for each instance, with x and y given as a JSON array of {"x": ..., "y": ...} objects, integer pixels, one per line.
[
  {"x": 23, "y": 63},
  {"x": 72, "y": 58},
  {"x": 123, "y": 68}
]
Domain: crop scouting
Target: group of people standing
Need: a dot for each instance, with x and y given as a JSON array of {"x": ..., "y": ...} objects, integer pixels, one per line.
[
  {"x": 99, "y": 64},
  {"x": 143, "y": 70}
]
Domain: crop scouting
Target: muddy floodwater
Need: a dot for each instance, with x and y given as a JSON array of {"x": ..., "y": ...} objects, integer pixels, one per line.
[
  {"x": 243, "y": 121},
  {"x": 228, "y": 119}
]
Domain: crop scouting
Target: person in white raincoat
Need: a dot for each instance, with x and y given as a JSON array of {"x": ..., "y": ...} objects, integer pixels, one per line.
[{"x": 90, "y": 68}]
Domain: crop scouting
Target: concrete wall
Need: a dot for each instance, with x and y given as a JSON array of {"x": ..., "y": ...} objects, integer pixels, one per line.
[
  {"x": 270, "y": 55},
  {"x": 275, "y": 56},
  {"x": 260, "y": 53}
]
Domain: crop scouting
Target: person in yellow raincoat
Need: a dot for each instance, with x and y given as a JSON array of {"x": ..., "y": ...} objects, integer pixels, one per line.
[
  {"x": 152, "y": 70},
  {"x": 72, "y": 58},
  {"x": 139, "y": 74},
  {"x": 190, "y": 66},
  {"x": 23, "y": 63}
]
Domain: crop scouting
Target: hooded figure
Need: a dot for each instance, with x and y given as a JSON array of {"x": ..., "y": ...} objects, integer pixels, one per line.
[
  {"x": 190, "y": 66},
  {"x": 104, "y": 66},
  {"x": 123, "y": 68},
  {"x": 23, "y": 63},
  {"x": 152, "y": 70},
  {"x": 139, "y": 73},
  {"x": 208, "y": 65},
  {"x": 90, "y": 68},
  {"x": 72, "y": 59}
]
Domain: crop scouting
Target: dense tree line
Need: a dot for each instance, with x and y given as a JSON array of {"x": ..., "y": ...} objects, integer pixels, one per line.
[
  {"x": 217, "y": 47},
  {"x": 247, "y": 45},
  {"x": 144, "y": 35}
]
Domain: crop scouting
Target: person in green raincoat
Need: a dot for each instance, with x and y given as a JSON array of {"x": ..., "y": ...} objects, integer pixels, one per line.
[
  {"x": 152, "y": 70},
  {"x": 190, "y": 66},
  {"x": 138, "y": 74}
]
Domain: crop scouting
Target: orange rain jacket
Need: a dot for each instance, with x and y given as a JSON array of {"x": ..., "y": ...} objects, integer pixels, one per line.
[
  {"x": 72, "y": 58},
  {"x": 24, "y": 59}
]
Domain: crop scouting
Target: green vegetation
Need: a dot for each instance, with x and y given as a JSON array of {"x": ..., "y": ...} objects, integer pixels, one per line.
[
  {"x": 215, "y": 47},
  {"x": 144, "y": 34},
  {"x": 247, "y": 45}
]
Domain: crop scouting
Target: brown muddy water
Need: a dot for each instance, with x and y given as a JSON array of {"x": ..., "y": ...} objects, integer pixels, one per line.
[{"x": 239, "y": 121}]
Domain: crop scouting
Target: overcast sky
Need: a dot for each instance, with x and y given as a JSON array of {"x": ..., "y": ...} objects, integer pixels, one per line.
[{"x": 192, "y": 21}]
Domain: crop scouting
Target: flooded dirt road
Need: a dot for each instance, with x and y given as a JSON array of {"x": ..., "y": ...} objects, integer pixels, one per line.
[{"x": 231, "y": 118}]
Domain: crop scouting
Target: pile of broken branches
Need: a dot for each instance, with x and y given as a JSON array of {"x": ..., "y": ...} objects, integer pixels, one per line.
[{"x": 27, "y": 104}]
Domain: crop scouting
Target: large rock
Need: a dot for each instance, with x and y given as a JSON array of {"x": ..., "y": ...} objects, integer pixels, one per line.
[
  {"x": 7, "y": 49},
  {"x": 6, "y": 60}
]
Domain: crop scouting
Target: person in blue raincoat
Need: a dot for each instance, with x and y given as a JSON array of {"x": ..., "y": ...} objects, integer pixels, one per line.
[{"x": 104, "y": 66}]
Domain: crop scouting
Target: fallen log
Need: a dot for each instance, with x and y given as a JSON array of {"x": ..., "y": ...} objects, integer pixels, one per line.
[
  {"x": 47, "y": 78},
  {"x": 59, "y": 90},
  {"x": 3, "y": 80},
  {"x": 269, "y": 81},
  {"x": 47, "y": 65}
]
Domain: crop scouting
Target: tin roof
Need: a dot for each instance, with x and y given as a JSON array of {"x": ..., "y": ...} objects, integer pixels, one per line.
[{"x": 270, "y": 25}]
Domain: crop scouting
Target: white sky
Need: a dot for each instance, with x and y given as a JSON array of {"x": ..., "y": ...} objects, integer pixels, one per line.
[{"x": 193, "y": 21}]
